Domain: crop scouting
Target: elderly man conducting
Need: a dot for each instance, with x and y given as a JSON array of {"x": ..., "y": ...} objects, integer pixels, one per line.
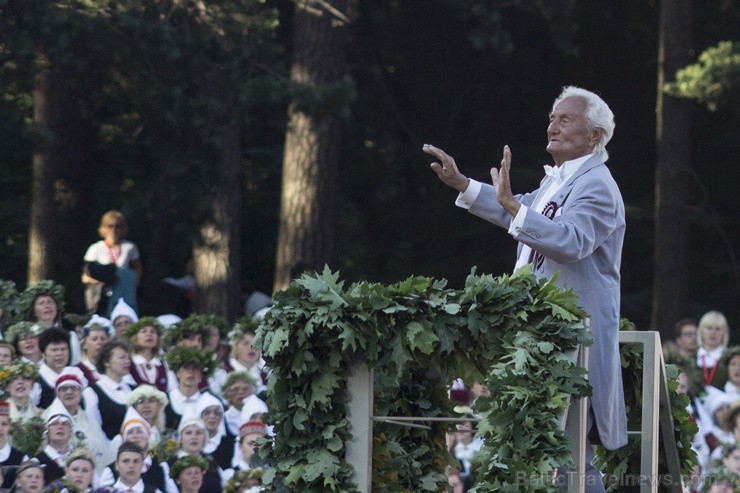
[{"x": 573, "y": 224}]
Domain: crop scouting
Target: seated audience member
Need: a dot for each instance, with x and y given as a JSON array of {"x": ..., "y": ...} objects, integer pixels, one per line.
[
  {"x": 44, "y": 303},
  {"x": 7, "y": 353},
  {"x": 30, "y": 477},
  {"x": 238, "y": 390},
  {"x": 249, "y": 435},
  {"x": 218, "y": 330},
  {"x": 54, "y": 345},
  {"x": 95, "y": 334},
  {"x": 79, "y": 470},
  {"x": 718, "y": 406},
  {"x": 25, "y": 339},
  {"x": 685, "y": 332},
  {"x": 145, "y": 337},
  {"x": 245, "y": 357},
  {"x": 150, "y": 404},
  {"x": 713, "y": 336},
  {"x": 135, "y": 429},
  {"x": 188, "y": 473},
  {"x": 192, "y": 432},
  {"x": 10, "y": 457},
  {"x": 69, "y": 387},
  {"x": 122, "y": 316},
  {"x": 220, "y": 443},
  {"x": 59, "y": 442},
  {"x": 18, "y": 385},
  {"x": 190, "y": 365},
  {"x": 128, "y": 465},
  {"x": 107, "y": 399},
  {"x": 731, "y": 361}
]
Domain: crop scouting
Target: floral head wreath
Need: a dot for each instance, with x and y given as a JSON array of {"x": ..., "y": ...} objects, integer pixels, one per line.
[
  {"x": 246, "y": 324},
  {"x": 192, "y": 460},
  {"x": 21, "y": 329},
  {"x": 17, "y": 369},
  {"x": 180, "y": 356},
  {"x": 238, "y": 479},
  {"x": 46, "y": 287},
  {"x": 135, "y": 327},
  {"x": 192, "y": 325}
]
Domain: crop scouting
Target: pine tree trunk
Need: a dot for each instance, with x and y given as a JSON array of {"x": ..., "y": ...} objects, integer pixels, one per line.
[
  {"x": 216, "y": 256},
  {"x": 46, "y": 168},
  {"x": 313, "y": 141},
  {"x": 673, "y": 173}
]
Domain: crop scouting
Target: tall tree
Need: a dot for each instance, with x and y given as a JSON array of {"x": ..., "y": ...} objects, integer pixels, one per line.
[
  {"x": 46, "y": 168},
  {"x": 672, "y": 173},
  {"x": 313, "y": 138}
]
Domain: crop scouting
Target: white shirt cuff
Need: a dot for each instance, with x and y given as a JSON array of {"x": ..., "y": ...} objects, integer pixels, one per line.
[
  {"x": 466, "y": 198},
  {"x": 516, "y": 224}
]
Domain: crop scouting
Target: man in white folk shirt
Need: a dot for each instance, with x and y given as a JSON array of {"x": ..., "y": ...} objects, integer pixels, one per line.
[{"x": 573, "y": 224}]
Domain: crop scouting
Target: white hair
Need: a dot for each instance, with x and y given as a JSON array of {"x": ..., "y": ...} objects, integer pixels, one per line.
[{"x": 598, "y": 115}]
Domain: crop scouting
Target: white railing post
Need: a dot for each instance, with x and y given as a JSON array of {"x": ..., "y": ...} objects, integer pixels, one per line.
[{"x": 360, "y": 415}]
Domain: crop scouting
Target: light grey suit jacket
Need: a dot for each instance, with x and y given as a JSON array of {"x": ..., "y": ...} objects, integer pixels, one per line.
[{"x": 584, "y": 243}]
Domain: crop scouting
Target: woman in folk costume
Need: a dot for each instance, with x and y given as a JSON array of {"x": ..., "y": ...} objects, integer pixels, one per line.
[
  {"x": 191, "y": 366},
  {"x": 244, "y": 356},
  {"x": 43, "y": 303},
  {"x": 24, "y": 336},
  {"x": 95, "y": 333},
  {"x": 713, "y": 335},
  {"x": 220, "y": 444},
  {"x": 69, "y": 388},
  {"x": 17, "y": 380},
  {"x": 9, "y": 456},
  {"x": 122, "y": 316},
  {"x": 136, "y": 429},
  {"x": 238, "y": 390},
  {"x": 54, "y": 344},
  {"x": 106, "y": 400},
  {"x": 150, "y": 402},
  {"x": 145, "y": 337},
  {"x": 249, "y": 435},
  {"x": 58, "y": 442},
  {"x": 193, "y": 433}
]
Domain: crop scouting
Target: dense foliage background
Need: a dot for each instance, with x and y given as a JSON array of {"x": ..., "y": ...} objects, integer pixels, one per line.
[{"x": 466, "y": 75}]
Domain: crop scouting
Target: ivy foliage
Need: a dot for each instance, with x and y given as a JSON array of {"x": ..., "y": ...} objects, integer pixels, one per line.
[{"x": 510, "y": 332}]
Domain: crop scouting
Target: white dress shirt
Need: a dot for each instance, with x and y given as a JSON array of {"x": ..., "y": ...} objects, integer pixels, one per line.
[{"x": 567, "y": 170}]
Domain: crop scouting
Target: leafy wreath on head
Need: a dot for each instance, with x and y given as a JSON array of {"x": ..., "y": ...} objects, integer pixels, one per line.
[
  {"x": 191, "y": 460},
  {"x": 18, "y": 329},
  {"x": 135, "y": 327},
  {"x": 179, "y": 356},
  {"x": 246, "y": 325},
  {"x": 26, "y": 299},
  {"x": 239, "y": 477},
  {"x": 192, "y": 325}
]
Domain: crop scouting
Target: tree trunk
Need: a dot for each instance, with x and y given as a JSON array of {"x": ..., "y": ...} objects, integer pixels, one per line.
[
  {"x": 46, "y": 169},
  {"x": 216, "y": 252},
  {"x": 313, "y": 140},
  {"x": 216, "y": 256},
  {"x": 673, "y": 173}
]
